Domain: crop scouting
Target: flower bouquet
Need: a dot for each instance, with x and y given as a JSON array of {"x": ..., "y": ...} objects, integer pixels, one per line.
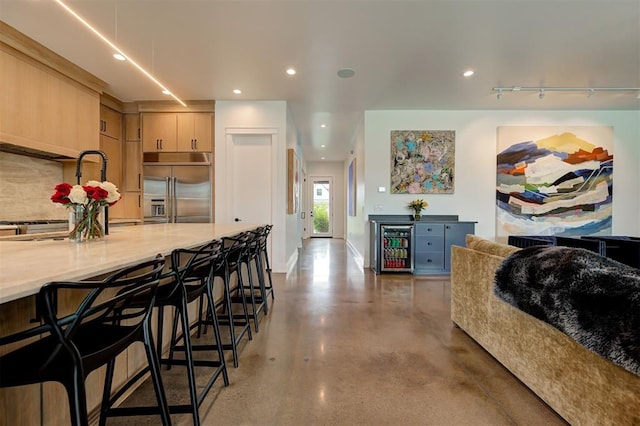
[
  {"x": 417, "y": 206},
  {"x": 86, "y": 202}
]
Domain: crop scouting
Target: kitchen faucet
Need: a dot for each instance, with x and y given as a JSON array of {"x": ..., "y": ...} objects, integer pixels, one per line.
[{"x": 103, "y": 177}]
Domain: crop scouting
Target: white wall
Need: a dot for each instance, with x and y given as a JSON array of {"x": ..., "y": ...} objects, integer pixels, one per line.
[
  {"x": 336, "y": 170},
  {"x": 255, "y": 115},
  {"x": 357, "y": 226},
  {"x": 474, "y": 197}
]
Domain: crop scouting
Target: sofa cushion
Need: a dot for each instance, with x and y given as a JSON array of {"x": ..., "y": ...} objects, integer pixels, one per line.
[{"x": 490, "y": 247}]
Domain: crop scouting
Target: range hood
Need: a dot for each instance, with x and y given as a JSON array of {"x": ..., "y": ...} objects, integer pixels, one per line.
[{"x": 30, "y": 152}]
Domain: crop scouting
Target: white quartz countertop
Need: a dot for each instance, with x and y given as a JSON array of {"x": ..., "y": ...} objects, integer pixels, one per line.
[{"x": 27, "y": 265}]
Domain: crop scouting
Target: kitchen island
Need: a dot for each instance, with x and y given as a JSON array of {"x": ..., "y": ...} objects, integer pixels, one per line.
[{"x": 25, "y": 266}]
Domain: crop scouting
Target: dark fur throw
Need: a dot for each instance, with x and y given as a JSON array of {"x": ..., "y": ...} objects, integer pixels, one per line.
[{"x": 592, "y": 299}]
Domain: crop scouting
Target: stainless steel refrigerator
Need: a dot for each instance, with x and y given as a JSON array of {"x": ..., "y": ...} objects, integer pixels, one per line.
[{"x": 177, "y": 187}]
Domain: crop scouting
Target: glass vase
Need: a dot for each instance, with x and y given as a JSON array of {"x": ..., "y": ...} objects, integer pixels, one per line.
[
  {"x": 86, "y": 223},
  {"x": 417, "y": 216}
]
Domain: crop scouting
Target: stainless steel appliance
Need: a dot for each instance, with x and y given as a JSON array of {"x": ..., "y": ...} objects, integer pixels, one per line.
[
  {"x": 177, "y": 187},
  {"x": 396, "y": 247}
]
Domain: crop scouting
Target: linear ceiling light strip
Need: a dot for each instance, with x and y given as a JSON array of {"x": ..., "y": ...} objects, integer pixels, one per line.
[{"x": 117, "y": 49}]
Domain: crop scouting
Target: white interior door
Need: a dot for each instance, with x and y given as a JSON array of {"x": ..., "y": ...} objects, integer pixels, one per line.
[
  {"x": 250, "y": 186},
  {"x": 321, "y": 200}
]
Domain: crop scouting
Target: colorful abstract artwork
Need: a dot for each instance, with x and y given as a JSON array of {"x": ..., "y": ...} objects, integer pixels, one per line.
[
  {"x": 351, "y": 188},
  {"x": 554, "y": 181},
  {"x": 422, "y": 161}
]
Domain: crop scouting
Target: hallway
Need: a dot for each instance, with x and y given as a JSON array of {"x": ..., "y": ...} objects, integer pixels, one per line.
[{"x": 343, "y": 347}]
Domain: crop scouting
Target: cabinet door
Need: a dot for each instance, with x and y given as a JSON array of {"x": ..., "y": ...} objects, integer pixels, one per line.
[
  {"x": 429, "y": 248},
  {"x": 159, "y": 132},
  {"x": 195, "y": 132},
  {"x": 131, "y": 127},
  {"x": 110, "y": 122},
  {"x": 132, "y": 166},
  {"x": 455, "y": 234},
  {"x": 113, "y": 149}
]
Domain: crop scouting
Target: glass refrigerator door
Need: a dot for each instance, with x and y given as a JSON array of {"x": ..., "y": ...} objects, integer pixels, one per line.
[{"x": 396, "y": 246}]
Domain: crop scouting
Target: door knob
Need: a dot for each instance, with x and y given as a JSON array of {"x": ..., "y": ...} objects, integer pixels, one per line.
[{"x": 237, "y": 220}]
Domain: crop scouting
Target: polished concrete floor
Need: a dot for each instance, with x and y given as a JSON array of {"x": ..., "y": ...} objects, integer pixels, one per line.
[{"x": 342, "y": 346}]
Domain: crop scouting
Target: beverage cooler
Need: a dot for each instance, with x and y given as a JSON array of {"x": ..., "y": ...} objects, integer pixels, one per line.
[{"x": 396, "y": 248}]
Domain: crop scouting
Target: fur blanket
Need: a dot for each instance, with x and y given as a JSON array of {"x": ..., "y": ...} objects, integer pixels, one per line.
[{"x": 592, "y": 299}]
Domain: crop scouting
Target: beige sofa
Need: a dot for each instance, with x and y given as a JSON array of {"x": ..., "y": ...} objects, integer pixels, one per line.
[{"x": 584, "y": 388}]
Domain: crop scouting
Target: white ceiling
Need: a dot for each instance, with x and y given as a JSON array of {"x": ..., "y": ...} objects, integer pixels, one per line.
[{"x": 406, "y": 54}]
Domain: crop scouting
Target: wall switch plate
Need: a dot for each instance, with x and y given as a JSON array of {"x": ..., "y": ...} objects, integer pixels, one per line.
[{"x": 382, "y": 189}]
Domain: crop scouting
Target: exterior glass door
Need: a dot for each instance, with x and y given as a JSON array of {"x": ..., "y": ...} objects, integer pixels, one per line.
[{"x": 321, "y": 214}]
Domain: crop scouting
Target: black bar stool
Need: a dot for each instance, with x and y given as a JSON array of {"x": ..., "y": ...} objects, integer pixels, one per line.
[
  {"x": 248, "y": 257},
  {"x": 238, "y": 323},
  {"x": 263, "y": 258},
  {"x": 188, "y": 280},
  {"x": 103, "y": 325}
]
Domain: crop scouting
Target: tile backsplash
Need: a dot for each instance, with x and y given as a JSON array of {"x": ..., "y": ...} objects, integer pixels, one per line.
[{"x": 26, "y": 186}]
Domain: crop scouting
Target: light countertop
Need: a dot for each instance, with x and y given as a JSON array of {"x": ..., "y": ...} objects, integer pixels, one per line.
[{"x": 26, "y": 265}]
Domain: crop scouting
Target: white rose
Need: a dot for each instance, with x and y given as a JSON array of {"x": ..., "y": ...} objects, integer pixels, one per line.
[
  {"x": 78, "y": 195},
  {"x": 114, "y": 195},
  {"x": 93, "y": 183}
]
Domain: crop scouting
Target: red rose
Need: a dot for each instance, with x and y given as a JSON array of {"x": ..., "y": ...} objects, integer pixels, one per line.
[
  {"x": 100, "y": 194},
  {"x": 60, "y": 197},
  {"x": 63, "y": 188}
]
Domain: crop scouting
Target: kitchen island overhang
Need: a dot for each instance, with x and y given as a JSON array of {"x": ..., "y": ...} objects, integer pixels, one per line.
[{"x": 25, "y": 266}]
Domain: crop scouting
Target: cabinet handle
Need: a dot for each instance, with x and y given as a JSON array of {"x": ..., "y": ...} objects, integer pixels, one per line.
[
  {"x": 429, "y": 243},
  {"x": 139, "y": 201},
  {"x": 138, "y": 132},
  {"x": 195, "y": 144},
  {"x": 447, "y": 227},
  {"x": 160, "y": 143},
  {"x": 429, "y": 229},
  {"x": 139, "y": 182},
  {"x": 157, "y": 143}
]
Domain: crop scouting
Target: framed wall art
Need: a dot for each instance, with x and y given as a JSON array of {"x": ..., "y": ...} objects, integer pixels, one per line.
[
  {"x": 554, "y": 180},
  {"x": 351, "y": 188},
  {"x": 293, "y": 182},
  {"x": 422, "y": 161}
]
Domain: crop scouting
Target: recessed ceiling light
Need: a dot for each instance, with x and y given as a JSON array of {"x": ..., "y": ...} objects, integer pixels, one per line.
[
  {"x": 237, "y": 91},
  {"x": 166, "y": 92},
  {"x": 346, "y": 73},
  {"x": 119, "y": 56},
  {"x": 321, "y": 146},
  {"x": 468, "y": 73},
  {"x": 323, "y": 125},
  {"x": 322, "y": 158},
  {"x": 291, "y": 71}
]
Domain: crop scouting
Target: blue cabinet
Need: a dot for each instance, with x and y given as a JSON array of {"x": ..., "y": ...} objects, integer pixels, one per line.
[
  {"x": 432, "y": 238},
  {"x": 433, "y": 243}
]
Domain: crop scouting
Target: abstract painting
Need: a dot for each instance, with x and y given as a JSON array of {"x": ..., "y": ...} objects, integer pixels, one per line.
[
  {"x": 554, "y": 181},
  {"x": 351, "y": 189},
  {"x": 422, "y": 161},
  {"x": 293, "y": 182}
]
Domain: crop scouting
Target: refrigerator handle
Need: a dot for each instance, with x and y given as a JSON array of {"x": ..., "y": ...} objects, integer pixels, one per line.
[
  {"x": 174, "y": 200},
  {"x": 167, "y": 199}
]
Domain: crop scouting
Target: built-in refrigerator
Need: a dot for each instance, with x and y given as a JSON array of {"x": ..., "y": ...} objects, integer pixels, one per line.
[
  {"x": 177, "y": 187},
  {"x": 396, "y": 248}
]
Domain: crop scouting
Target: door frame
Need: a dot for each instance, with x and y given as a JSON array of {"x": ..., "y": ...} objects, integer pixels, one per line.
[{"x": 311, "y": 180}]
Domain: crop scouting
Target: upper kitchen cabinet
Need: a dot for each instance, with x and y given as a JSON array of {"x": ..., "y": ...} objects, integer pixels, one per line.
[
  {"x": 46, "y": 103},
  {"x": 132, "y": 127},
  {"x": 110, "y": 122},
  {"x": 177, "y": 132},
  {"x": 195, "y": 131},
  {"x": 159, "y": 132}
]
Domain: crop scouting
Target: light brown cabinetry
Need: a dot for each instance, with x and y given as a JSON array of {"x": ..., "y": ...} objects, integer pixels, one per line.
[
  {"x": 110, "y": 122},
  {"x": 132, "y": 127},
  {"x": 177, "y": 132},
  {"x": 194, "y": 131},
  {"x": 159, "y": 132},
  {"x": 113, "y": 150},
  {"x": 131, "y": 202},
  {"x": 43, "y": 110}
]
